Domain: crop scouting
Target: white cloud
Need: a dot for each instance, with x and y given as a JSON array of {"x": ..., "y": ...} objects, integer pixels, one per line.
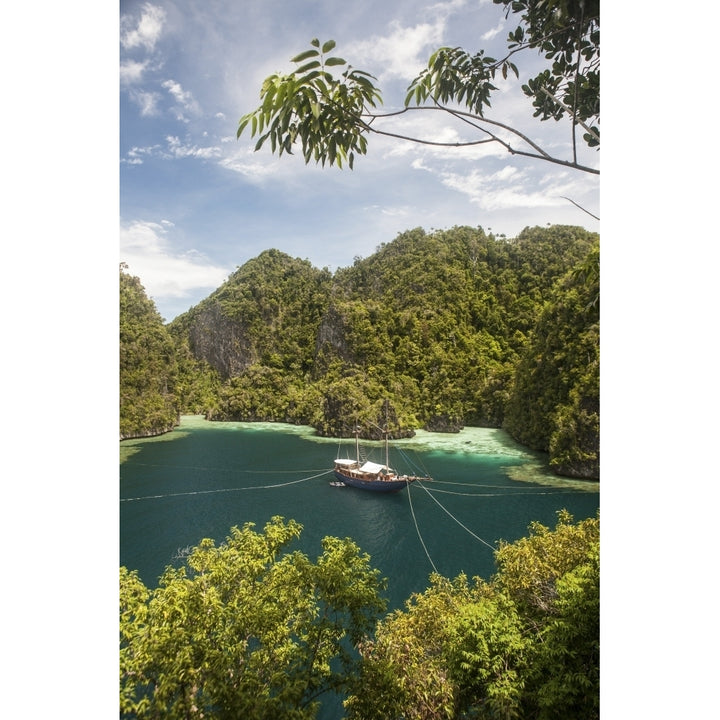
[
  {"x": 164, "y": 272},
  {"x": 508, "y": 188},
  {"x": 136, "y": 155},
  {"x": 507, "y": 173},
  {"x": 145, "y": 32},
  {"x": 255, "y": 172},
  {"x": 389, "y": 210},
  {"x": 146, "y": 101},
  {"x": 131, "y": 72},
  {"x": 260, "y": 167},
  {"x": 174, "y": 149},
  {"x": 400, "y": 54},
  {"x": 182, "y": 97},
  {"x": 445, "y": 8},
  {"x": 493, "y": 32},
  {"x": 178, "y": 150}
]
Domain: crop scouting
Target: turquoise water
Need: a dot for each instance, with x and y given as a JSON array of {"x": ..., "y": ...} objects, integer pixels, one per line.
[{"x": 204, "y": 478}]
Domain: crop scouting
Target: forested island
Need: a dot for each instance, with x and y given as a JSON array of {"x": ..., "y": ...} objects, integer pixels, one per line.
[{"x": 451, "y": 328}]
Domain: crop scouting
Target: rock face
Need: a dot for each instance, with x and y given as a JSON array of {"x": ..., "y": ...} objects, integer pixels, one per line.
[
  {"x": 580, "y": 470},
  {"x": 444, "y": 424},
  {"x": 332, "y": 335},
  {"x": 221, "y": 342},
  {"x": 149, "y": 433}
]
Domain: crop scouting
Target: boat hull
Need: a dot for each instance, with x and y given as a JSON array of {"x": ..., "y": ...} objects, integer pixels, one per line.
[{"x": 385, "y": 486}]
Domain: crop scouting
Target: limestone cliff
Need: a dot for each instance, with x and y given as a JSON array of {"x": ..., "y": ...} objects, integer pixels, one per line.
[{"x": 221, "y": 341}]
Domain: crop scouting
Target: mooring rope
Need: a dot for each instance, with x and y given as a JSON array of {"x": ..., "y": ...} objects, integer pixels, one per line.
[
  {"x": 480, "y": 485},
  {"x": 508, "y": 494},
  {"x": 455, "y": 519},
  {"x": 217, "y": 469},
  {"x": 223, "y": 490},
  {"x": 417, "y": 529},
  {"x": 417, "y": 470}
]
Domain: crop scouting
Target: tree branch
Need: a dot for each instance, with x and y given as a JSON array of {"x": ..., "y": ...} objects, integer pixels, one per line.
[
  {"x": 580, "y": 207},
  {"x": 590, "y": 131},
  {"x": 473, "y": 120}
]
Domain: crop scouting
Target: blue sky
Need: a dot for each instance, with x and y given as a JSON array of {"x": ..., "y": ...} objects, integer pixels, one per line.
[{"x": 196, "y": 202}]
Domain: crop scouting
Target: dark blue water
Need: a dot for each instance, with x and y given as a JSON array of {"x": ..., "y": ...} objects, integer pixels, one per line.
[{"x": 204, "y": 478}]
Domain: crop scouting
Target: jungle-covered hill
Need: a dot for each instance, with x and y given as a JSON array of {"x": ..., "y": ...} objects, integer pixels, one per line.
[{"x": 452, "y": 328}]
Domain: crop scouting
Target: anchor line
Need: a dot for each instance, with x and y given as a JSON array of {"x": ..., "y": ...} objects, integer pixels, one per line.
[
  {"x": 510, "y": 494},
  {"x": 455, "y": 519},
  {"x": 416, "y": 470},
  {"x": 481, "y": 485},
  {"x": 417, "y": 529},
  {"x": 209, "y": 492},
  {"x": 215, "y": 469}
]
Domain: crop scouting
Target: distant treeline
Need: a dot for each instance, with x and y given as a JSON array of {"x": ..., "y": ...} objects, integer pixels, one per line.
[{"x": 452, "y": 328}]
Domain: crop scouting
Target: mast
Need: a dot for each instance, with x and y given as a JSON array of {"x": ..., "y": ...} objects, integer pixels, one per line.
[
  {"x": 387, "y": 432},
  {"x": 357, "y": 445}
]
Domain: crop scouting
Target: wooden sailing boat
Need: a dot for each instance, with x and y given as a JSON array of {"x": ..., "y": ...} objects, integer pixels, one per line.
[{"x": 369, "y": 475}]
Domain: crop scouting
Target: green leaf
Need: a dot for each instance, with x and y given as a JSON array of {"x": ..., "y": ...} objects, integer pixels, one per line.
[
  {"x": 243, "y": 124},
  {"x": 309, "y": 66},
  {"x": 328, "y": 46},
  {"x": 311, "y": 76},
  {"x": 335, "y": 61},
  {"x": 305, "y": 55}
]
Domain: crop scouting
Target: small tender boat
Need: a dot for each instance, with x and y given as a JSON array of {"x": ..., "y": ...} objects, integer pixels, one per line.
[{"x": 369, "y": 475}]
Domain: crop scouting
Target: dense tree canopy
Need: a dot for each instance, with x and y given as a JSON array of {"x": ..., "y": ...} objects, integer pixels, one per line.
[
  {"x": 148, "y": 364},
  {"x": 246, "y": 629},
  {"x": 329, "y": 108},
  {"x": 555, "y": 402},
  {"x": 523, "y": 645},
  {"x": 250, "y": 629}
]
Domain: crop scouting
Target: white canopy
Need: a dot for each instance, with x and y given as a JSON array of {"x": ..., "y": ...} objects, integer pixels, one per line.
[
  {"x": 345, "y": 461},
  {"x": 371, "y": 467}
]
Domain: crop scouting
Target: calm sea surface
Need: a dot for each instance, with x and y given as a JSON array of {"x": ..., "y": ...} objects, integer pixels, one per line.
[{"x": 204, "y": 478}]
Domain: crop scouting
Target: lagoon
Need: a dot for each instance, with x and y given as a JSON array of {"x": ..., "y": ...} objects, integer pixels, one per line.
[{"x": 206, "y": 477}]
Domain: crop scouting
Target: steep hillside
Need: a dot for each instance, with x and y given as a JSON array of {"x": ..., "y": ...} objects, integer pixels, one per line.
[
  {"x": 555, "y": 402},
  {"x": 266, "y": 313},
  {"x": 436, "y": 323},
  {"x": 447, "y": 314},
  {"x": 148, "y": 365}
]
